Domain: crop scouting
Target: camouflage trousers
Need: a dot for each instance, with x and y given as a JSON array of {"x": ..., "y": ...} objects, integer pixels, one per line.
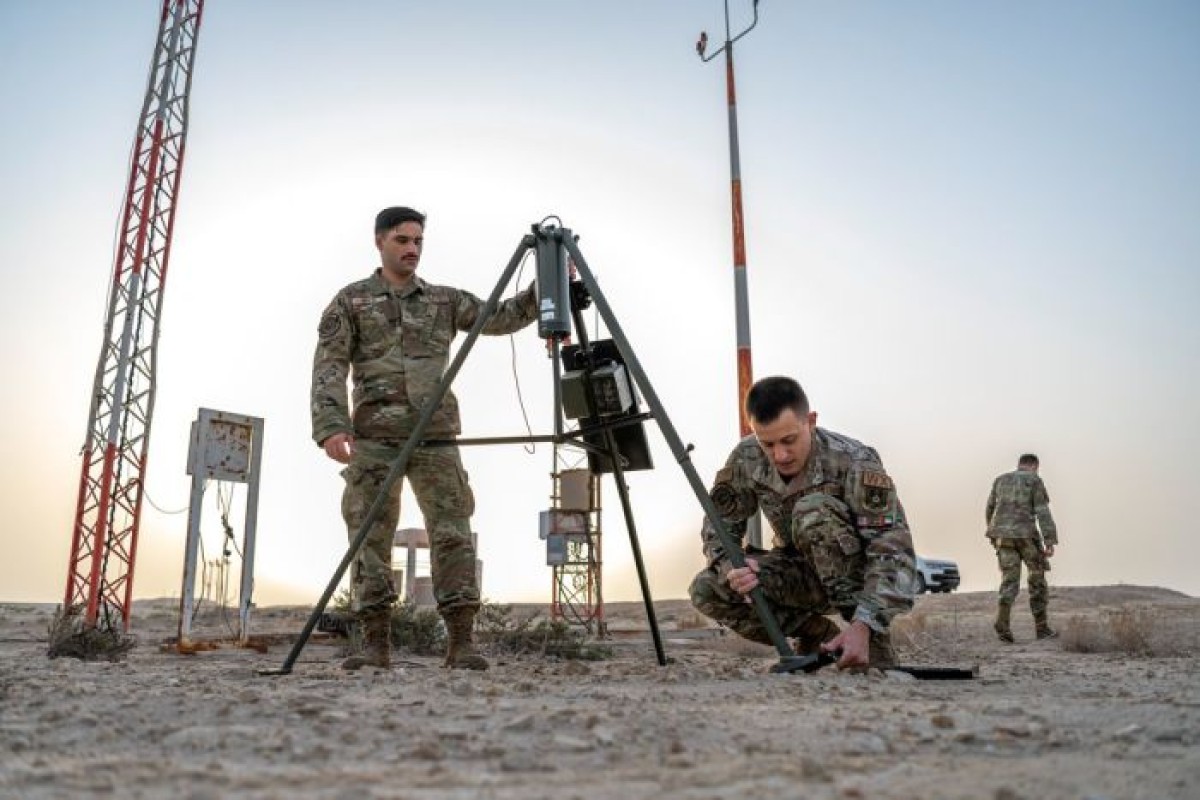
[
  {"x": 444, "y": 495},
  {"x": 1011, "y": 553},
  {"x": 790, "y": 586}
]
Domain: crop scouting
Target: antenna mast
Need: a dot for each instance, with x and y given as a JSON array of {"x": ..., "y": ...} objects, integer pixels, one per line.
[{"x": 111, "y": 483}]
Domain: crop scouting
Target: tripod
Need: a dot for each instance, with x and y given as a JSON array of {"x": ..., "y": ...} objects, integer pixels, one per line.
[{"x": 560, "y": 303}]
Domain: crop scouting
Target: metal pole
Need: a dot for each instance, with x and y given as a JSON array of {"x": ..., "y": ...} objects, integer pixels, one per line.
[
  {"x": 741, "y": 292},
  {"x": 250, "y": 534},
  {"x": 745, "y": 369},
  {"x": 187, "y": 597}
]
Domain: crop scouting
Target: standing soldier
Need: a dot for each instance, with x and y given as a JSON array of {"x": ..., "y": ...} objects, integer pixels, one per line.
[
  {"x": 842, "y": 544},
  {"x": 1017, "y": 508},
  {"x": 390, "y": 335}
]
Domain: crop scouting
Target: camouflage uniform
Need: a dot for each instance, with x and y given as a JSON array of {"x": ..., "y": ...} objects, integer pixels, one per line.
[
  {"x": 841, "y": 544},
  {"x": 1017, "y": 507},
  {"x": 394, "y": 345}
]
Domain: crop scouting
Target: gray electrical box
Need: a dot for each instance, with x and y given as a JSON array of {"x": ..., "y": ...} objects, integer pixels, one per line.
[
  {"x": 222, "y": 446},
  {"x": 560, "y": 528},
  {"x": 556, "y": 550},
  {"x": 610, "y": 383},
  {"x": 556, "y": 521}
]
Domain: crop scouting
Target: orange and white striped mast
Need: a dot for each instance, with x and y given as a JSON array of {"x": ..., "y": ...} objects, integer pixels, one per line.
[{"x": 745, "y": 370}]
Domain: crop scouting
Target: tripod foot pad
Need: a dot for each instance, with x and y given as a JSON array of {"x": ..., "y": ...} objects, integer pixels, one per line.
[{"x": 808, "y": 663}]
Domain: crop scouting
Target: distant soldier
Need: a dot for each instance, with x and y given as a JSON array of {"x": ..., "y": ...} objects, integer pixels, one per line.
[
  {"x": 1017, "y": 508},
  {"x": 842, "y": 544}
]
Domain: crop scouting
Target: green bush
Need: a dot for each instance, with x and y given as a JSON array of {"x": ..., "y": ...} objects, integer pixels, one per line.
[
  {"x": 501, "y": 633},
  {"x": 418, "y": 630}
]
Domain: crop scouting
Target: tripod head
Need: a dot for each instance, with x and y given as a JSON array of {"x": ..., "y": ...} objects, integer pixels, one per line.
[{"x": 594, "y": 386}]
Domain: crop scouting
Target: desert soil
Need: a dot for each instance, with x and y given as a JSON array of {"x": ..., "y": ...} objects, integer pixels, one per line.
[{"x": 1041, "y": 719}]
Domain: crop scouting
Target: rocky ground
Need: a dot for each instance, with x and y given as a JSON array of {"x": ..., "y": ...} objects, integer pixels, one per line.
[{"x": 1111, "y": 709}]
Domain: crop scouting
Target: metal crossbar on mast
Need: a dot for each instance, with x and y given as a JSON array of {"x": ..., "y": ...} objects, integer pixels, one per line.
[{"x": 111, "y": 483}]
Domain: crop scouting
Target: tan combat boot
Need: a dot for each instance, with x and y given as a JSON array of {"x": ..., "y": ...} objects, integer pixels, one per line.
[
  {"x": 377, "y": 641},
  {"x": 1042, "y": 626},
  {"x": 460, "y": 653},
  {"x": 1003, "y": 624},
  {"x": 812, "y": 633}
]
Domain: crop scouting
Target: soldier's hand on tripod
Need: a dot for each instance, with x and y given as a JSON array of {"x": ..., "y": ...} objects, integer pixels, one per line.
[
  {"x": 339, "y": 447},
  {"x": 743, "y": 579},
  {"x": 854, "y": 642}
]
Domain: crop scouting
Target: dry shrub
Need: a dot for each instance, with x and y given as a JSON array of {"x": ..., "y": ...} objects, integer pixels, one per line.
[
  {"x": 1082, "y": 635},
  {"x": 928, "y": 636},
  {"x": 70, "y": 636},
  {"x": 691, "y": 622},
  {"x": 910, "y": 630},
  {"x": 1124, "y": 630},
  {"x": 1129, "y": 630}
]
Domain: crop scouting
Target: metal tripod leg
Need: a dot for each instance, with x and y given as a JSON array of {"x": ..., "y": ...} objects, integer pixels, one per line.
[
  {"x": 401, "y": 462},
  {"x": 788, "y": 660},
  {"x": 635, "y": 548},
  {"x": 618, "y": 471}
]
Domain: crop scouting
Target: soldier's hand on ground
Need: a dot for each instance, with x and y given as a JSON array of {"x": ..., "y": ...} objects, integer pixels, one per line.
[
  {"x": 339, "y": 447},
  {"x": 743, "y": 579},
  {"x": 855, "y": 643}
]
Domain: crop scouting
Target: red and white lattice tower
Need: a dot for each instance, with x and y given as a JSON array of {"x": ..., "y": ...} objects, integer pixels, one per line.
[{"x": 104, "y": 541}]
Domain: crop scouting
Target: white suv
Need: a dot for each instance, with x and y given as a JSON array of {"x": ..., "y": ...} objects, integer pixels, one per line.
[{"x": 936, "y": 576}]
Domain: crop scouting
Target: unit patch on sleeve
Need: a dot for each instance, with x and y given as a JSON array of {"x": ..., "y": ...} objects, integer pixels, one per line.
[
  {"x": 732, "y": 503},
  {"x": 875, "y": 491},
  {"x": 878, "y": 480},
  {"x": 331, "y": 323}
]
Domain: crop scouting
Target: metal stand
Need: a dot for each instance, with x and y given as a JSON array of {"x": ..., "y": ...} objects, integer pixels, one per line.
[
  {"x": 547, "y": 240},
  {"x": 224, "y": 447}
]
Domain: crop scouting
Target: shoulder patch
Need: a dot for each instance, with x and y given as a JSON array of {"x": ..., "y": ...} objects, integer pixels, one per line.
[
  {"x": 876, "y": 480},
  {"x": 732, "y": 503},
  {"x": 874, "y": 492},
  {"x": 331, "y": 325}
]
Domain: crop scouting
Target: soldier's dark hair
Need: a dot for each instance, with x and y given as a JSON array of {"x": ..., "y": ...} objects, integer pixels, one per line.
[
  {"x": 768, "y": 398},
  {"x": 1027, "y": 460},
  {"x": 395, "y": 215}
]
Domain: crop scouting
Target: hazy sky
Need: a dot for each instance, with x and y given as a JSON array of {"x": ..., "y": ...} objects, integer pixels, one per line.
[{"x": 971, "y": 232}]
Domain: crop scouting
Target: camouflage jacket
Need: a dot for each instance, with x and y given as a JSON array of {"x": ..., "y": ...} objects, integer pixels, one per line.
[
  {"x": 1018, "y": 506},
  {"x": 394, "y": 346},
  {"x": 842, "y": 468}
]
